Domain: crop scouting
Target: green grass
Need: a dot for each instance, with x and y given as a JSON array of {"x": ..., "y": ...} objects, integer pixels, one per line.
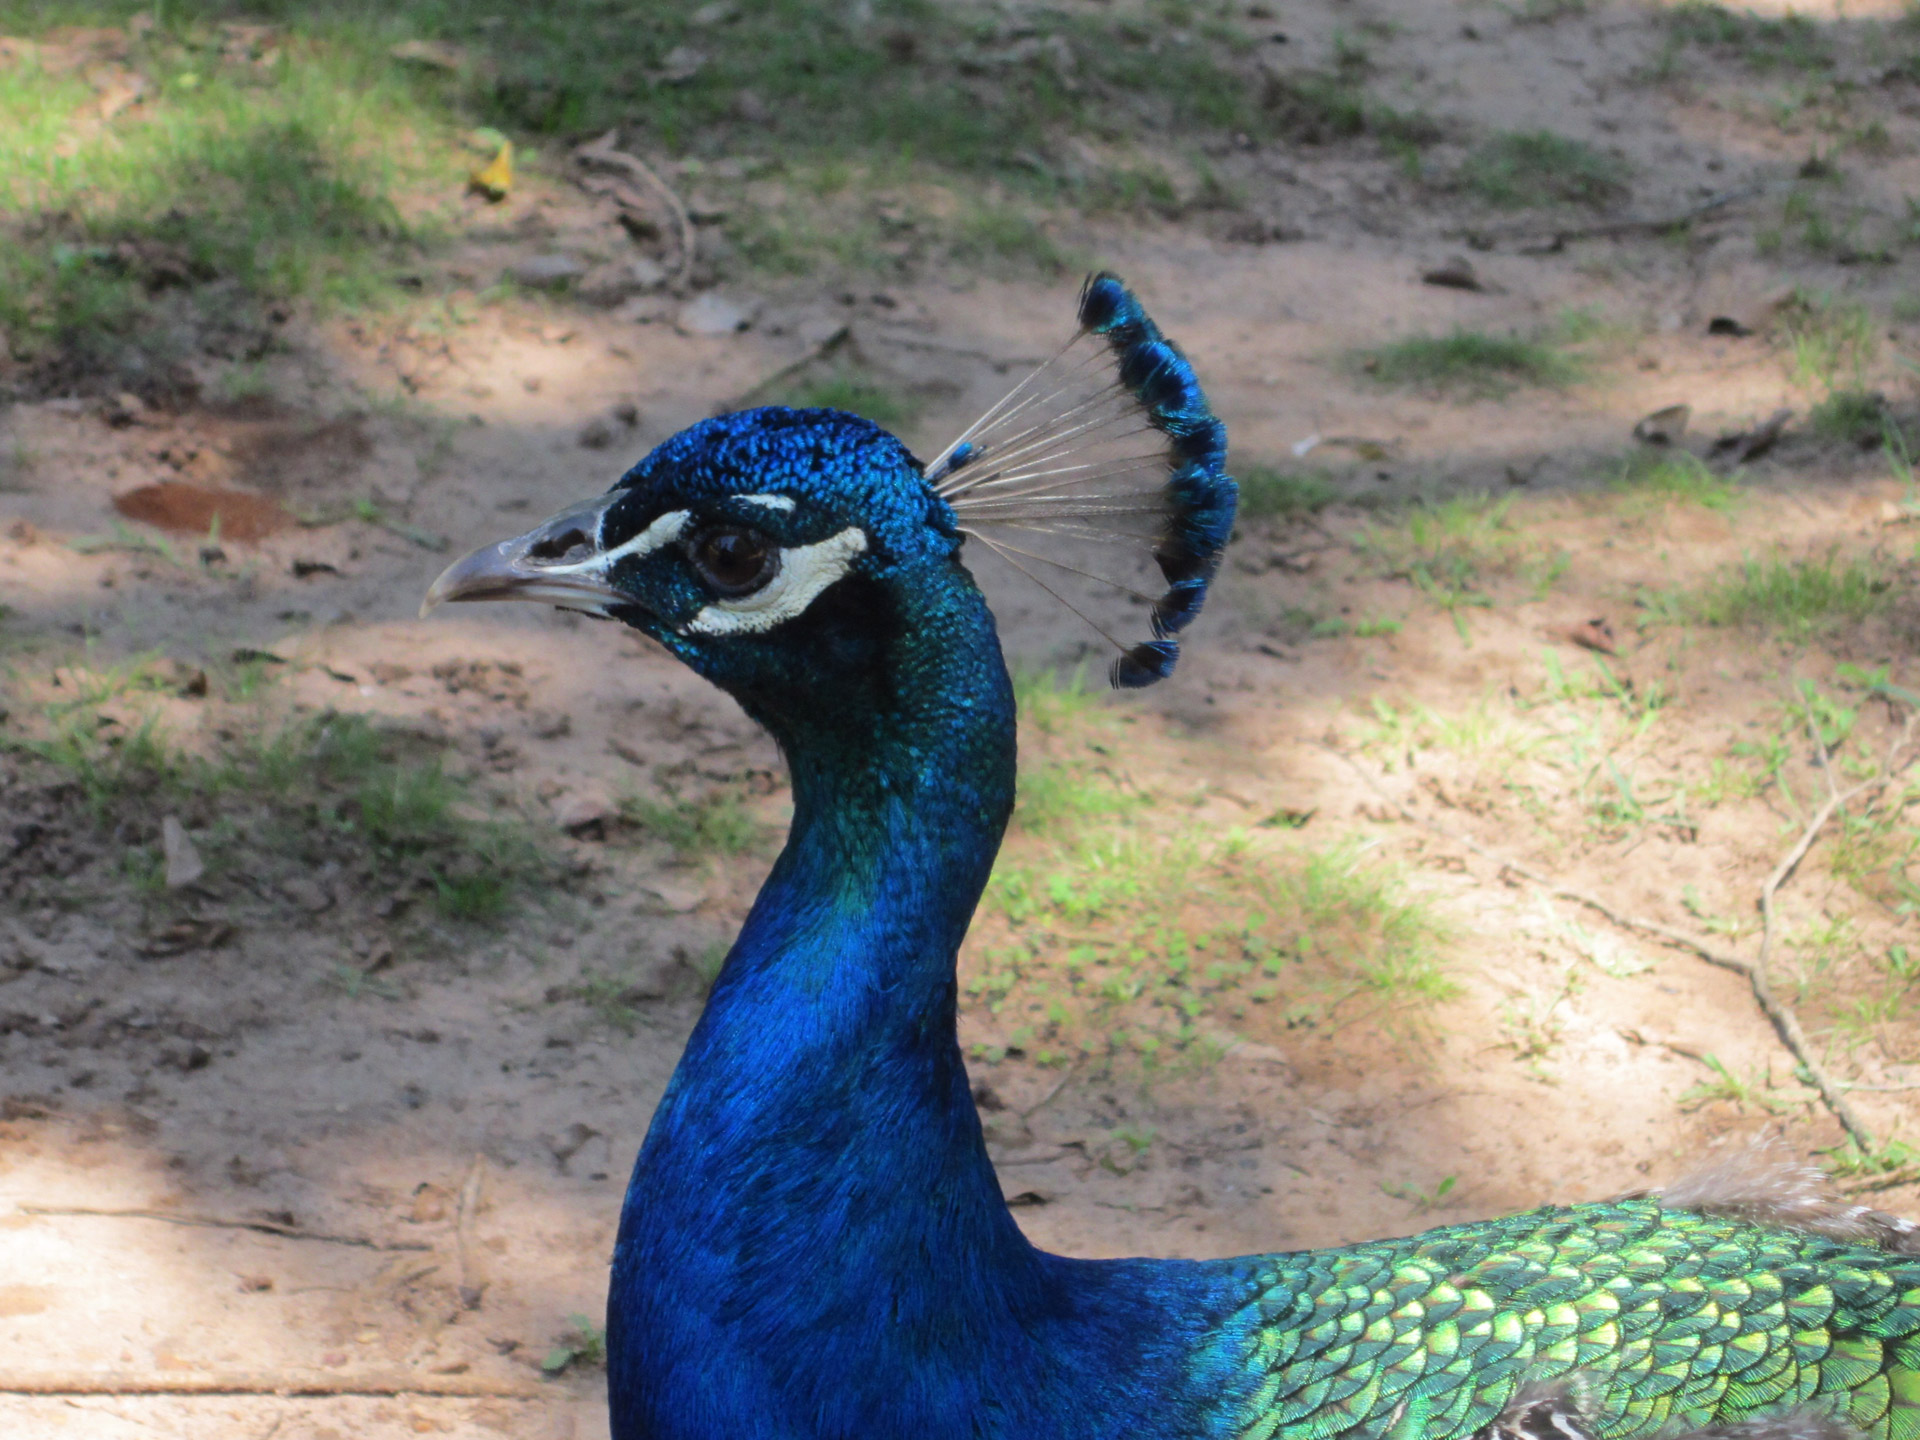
[
  {"x": 1109, "y": 936},
  {"x": 714, "y": 825},
  {"x": 1317, "y": 107},
  {"x": 1662, "y": 477},
  {"x": 854, "y": 391},
  {"x": 1858, "y": 417},
  {"x": 1269, "y": 493},
  {"x": 582, "y": 1347},
  {"x": 312, "y": 167},
  {"x": 1468, "y": 363},
  {"x": 1067, "y": 778},
  {"x": 333, "y": 791},
  {"x": 1522, "y": 169},
  {"x": 1136, "y": 949},
  {"x": 1055, "y": 702},
  {"x": 1400, "y": 733},
  {"x": 1791, "y": 42},
  {"x": 1451, "y": 550},
  {"x": 231, "y": 186},
  {"x": 1830, "y": 343},
  {"x": 1799, "y": 599}
]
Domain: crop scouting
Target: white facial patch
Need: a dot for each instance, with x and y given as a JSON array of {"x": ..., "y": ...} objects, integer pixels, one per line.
[
  {"x": 805, "y": 571},
  {"x": 663, "y": 531},
  {"x": 772, "y": 502}
]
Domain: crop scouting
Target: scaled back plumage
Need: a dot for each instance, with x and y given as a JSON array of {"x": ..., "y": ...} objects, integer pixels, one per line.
[{"x": 814, "y": 1243}]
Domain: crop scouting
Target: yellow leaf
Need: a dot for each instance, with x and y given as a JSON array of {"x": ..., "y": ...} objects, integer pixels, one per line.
[{"x": 496, "y": 179}]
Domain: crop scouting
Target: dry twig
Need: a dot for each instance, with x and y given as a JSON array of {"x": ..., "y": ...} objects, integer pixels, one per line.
[
  {"x": 1785, "y": 1023},
  {"x": 604, "y": 151},
  {"x": 211, "y": 1222},
  {"x": 840, "y": 339},
  {"x": 1534, "y": 242},
  {"x": 473, "y": 1266}
]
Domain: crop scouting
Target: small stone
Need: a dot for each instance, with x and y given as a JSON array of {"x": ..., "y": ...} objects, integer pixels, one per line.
[
  {"x": 1456, "y": 273},
  {"x": 645, "y": 309},
  {"x": 431, "y": 54},
  {"x": 307, "y": 894},
  {"x": 609, "y": 285},
  {"x": 125, "y": 409},
  {"x": 680, "y": 65},
  {"x": 667, "y": 894},
  {"x": 546, "y": 272},
  {"x": 1663, "y": 427},
  {"x": 597, "y": 433},
  {"x": 712, "y": 314},
  {"x": 183, "y": 862},
  {"x": 1254, "y": 1051},
  {"x": 585, "y": 812}
]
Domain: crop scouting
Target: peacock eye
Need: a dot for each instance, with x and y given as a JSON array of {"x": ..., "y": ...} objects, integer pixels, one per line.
[{"x": 734, "y": 561}]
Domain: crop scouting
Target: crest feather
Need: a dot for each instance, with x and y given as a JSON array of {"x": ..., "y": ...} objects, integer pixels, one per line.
[{"x": 1110, "y": 443}]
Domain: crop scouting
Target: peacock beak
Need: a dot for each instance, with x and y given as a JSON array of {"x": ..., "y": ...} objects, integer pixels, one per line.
[{"x": 561, "y": 561}]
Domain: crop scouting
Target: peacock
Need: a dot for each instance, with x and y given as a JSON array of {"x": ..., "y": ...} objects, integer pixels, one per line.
[{"x": 814, "y": 1243}]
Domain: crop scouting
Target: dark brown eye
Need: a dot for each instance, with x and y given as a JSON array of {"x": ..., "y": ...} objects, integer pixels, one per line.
[{"x": 734, "y": 562}]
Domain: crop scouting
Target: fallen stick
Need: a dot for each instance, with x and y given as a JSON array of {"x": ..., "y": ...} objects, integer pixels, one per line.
[
  {"x": 211, "y": 1222},
  {"x": 1554, "y": 240},
  {"x": 250, "y": 1382},
  {"x": 473, "y": 1265},
  {"x": 840, "y": 339},
  {"x": 1785, "y": 1023},
  {"x": 603, "y": 152}
]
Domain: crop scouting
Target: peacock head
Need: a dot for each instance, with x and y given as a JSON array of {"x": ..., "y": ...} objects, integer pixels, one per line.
[
  {"x": 788, "y": 554},
  {"x": 762, "y": 548}
]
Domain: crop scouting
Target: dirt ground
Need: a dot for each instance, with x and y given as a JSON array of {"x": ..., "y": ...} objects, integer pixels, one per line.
[{"x": 283, "y": 1157}]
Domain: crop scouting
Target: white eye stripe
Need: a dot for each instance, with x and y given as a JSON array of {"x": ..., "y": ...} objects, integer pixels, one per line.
[
  {"x": 805, "y": 571},
  {"x": 772, "y": 502},
  {"x": 663, "y": 531}
]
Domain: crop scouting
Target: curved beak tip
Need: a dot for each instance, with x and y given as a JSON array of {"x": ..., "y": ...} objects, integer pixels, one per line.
[{"x": 488, "y": 571}]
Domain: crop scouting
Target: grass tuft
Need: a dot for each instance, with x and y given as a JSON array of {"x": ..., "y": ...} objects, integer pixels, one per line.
[
  {"x": 334, "y": 791},
  {"x": 856, "y": 392},
  {"x": 1791, "y": 42},
  {"x": 1857, "y": 417},
  {"x": 230, "y": 187},
  {"x": 1468, "y": 363},
  {"x": 1529, "y": 168},
  {"x": 1136, "y": 950},
  {"x": 1801, "y": 599},
  {"x": 1674, "y": 476},
  {"x": 1267, "y": 493},
  {"x": 718, "y": 824}
]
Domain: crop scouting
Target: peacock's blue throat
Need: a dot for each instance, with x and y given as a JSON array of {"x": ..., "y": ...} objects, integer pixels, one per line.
[
  {"x": 814, "y": 1241},
  {"x": 824, "y": 1084}
]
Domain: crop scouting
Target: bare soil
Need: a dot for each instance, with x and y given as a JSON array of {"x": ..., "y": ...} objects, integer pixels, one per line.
[{"x": 286, "y": 1132}]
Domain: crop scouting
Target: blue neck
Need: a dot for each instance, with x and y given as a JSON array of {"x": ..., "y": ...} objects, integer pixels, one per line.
[
  {"x": 814, "y": 1242},
  {"x": 820, "y": 1122}
]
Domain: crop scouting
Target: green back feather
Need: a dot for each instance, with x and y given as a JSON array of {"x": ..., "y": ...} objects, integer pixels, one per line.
[{"x": 1663, "y": 1320}]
